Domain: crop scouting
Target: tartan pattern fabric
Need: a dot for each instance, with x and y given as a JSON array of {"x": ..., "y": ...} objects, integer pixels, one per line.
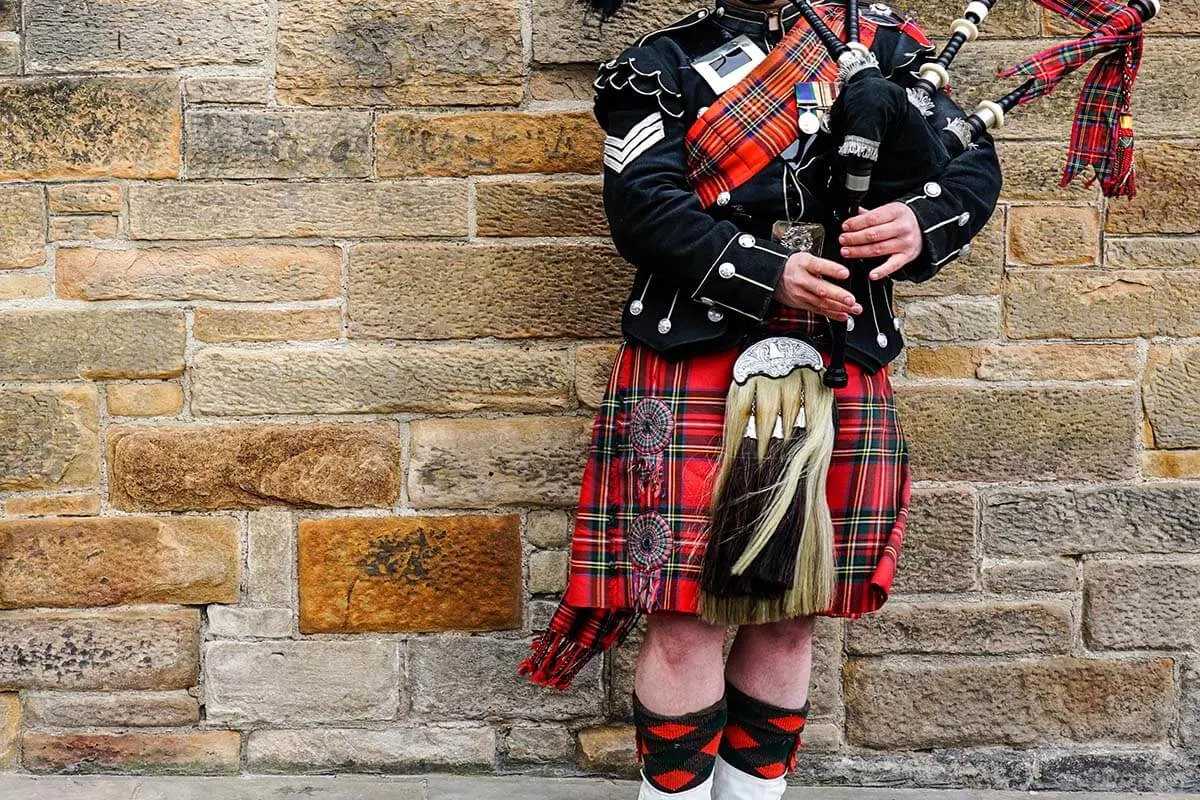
[
  {"x": 1102, "y": 132},
  {"x": 622, "y": 567},
  {"x": 678, "y": 753},
  {"x": 761, "y": 739}
]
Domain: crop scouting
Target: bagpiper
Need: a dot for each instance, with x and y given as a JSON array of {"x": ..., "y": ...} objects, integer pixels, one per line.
[{"x": 732, "y": 478}]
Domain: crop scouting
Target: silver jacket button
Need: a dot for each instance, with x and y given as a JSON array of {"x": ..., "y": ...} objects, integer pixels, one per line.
[
  {"x": 664, "y": 326},
  {"x": 933, "y": 189},
  {"x": 636, "y": 307},
  {"x": 966, "y": 248},
  {"x": 746, "y": 240},
  {"x": 723, "y": 199},
  {"x": 726, "y": 270},
  {"x": 714, "y": 315},
  {"x": 963, "y": 217}
]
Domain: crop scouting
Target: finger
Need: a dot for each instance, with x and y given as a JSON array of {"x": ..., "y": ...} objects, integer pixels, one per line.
[
  {"x": 893, "y": 263},
  {"x": 876, "y": 250},
  {"x": 826, "y": 268},
  {"x": 867, "y": 219},
  {"x": 876, "y": 233},
  {"x": 834, "y": 298}
]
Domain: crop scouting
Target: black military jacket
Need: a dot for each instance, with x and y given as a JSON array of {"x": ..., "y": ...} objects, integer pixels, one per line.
[{"x": 705, "y": 277}]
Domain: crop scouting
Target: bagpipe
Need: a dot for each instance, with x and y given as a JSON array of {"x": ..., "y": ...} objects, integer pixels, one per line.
[{"x": 770, "y": 552}]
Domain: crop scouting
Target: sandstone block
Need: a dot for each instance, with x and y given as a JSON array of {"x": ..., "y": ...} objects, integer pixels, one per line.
[
  {"x": 825, "y": 687},
  {"x": 1032, "y": 171},
  {"x": 402, "y": 750},
  {"x": 300, "y": 682},
  {"x": 361, "y": 574},
  {"x": 57, "y": 505},
  {"x": 262, "y": 273},
  {"x": 1148, "y": 605},
  {"x": 567, "y": 82},
  {"x": 85, "y": 198},
  {"x": 475, "y": 677},
  {"x": 561, "y": 36},
  {"x": 228, "y": 89},
  {"x": 960, "y": 433},
  {"x": 1081, "y": 304},
  {"x": 547, "y": 572},
  {"x": 278, "y": 144},
  {"x": 84, "y": 228},
  {"x": 540, "y": 207},
  {"x": 488, "y": 143},
  {"x": 539, "y": 744},
  {"x": 1171, "y": 463},
  {"x": 235, "y": 622},
  {"x": 963, "y": 628},
  {"x": 1148, "y": 518},
  {"x": 10, "y": 730},
  {"x": 68, "y": 128},
  {"x": 472, "y": 463},
  {"x": 1018, "y": 20},
  {"x": 114, "y": 560},
  {"x": 94, "y": 343},
  {"x": 939, "y": 543},
  {"x": 190, "y": 753},
  {"x": 1049, "y": 701},
  {"x": 1171, "y": 395},
  {"x": 947, "y": 361},
  {"x": 1152, "y": 252},
  {"x": 438, "y": 291},
  {"x": 22, "y": 227},
  {"x": 251, "y": 466},
  {"x": 593, "y": 368},
  {"x": 1175, "y": 205},
  {"x": 23, "y": 285},
  {"x": 548, "y": 529},
  {"x": 50, "y": 436},
  {"x": 1061, "y": 236},
  {"x": 272, "y": 210},
  {"x": 117, "y": 709},
  {"x": 951, "y": 319},
  {"x": 607, "y": 748},
  {"x": 238, "y": 325},
  {"x": 270, "y": 559},
  {"x": 1057, "y": 362},
  {"x": 421, "y": 52},
  {"x": 1008, "y": 577},
  {"x": 138, "y": 648},
  {"x": 144, "y": 399},
  {"x": 370, "y": 378},
  {"x": 88, "y": 36}
]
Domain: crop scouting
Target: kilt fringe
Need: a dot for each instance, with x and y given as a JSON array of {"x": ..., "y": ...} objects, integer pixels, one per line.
[{"x": 574, "y": 638}]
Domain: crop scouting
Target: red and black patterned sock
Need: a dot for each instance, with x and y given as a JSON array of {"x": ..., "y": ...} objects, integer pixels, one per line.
[
  {"x": 678, "y": 753},
  {"x": 761, "y": 739}
]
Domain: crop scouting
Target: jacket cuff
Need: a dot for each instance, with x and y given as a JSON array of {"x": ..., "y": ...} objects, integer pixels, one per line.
[
  {"x": 944, "y": 231},
  {"x": 743, "y": 277}
]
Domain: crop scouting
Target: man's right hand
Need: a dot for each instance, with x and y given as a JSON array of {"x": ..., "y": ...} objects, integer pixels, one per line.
[{"x": 804, "y": 285}]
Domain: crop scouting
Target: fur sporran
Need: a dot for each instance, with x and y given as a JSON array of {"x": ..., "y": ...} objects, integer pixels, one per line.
[{"x": 770, "y": 549}]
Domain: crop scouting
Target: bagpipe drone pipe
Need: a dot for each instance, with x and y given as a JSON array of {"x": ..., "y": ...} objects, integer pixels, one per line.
[{"x": 883, "y": 153}]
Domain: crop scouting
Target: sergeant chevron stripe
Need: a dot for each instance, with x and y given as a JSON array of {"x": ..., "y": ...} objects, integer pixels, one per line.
[{"x": 619, "y": 152}]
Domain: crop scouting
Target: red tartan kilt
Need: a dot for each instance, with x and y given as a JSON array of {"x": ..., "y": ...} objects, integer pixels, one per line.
[{"x": 654, "y": 451}]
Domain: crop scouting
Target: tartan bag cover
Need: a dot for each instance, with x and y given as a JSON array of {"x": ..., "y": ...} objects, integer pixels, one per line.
[
  {"x": 1102, "y": 131},
  {"x": 641, "y": 524},
  {"x": 755, "y": 121}
]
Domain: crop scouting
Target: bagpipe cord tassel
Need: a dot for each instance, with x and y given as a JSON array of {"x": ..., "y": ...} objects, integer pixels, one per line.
[{"x": 556, "y": 656}]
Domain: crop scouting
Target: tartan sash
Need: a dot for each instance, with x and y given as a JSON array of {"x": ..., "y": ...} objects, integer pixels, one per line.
[
  {"x": 754, "y": 121},
  {"x": 1102, "y": 132}
]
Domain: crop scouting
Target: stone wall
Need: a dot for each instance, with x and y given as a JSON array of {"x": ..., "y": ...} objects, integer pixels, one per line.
[{"x": 304, "y": 311}]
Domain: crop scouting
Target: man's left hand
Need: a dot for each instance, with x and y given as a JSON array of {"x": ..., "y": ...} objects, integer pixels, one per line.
[{"x": 891, "y": 230}]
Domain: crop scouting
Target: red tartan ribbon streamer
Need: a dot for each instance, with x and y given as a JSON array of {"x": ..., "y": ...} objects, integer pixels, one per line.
[{"x": 1102, "y": 132}]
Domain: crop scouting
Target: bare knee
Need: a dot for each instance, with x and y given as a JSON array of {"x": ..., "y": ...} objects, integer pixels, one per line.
[
  {"x": 683, "y": 640},
  {"x": 793, "y": 634}
]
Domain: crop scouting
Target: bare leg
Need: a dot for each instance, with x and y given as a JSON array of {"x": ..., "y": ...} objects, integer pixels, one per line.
[
  {"x": 679, "y": 668},
  {"x": 773, "y": 661}
]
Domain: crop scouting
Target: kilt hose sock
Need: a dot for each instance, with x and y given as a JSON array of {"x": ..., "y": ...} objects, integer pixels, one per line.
[
  {"x": 758, "y": 747},
  {"x": 677, "y": 753}
]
